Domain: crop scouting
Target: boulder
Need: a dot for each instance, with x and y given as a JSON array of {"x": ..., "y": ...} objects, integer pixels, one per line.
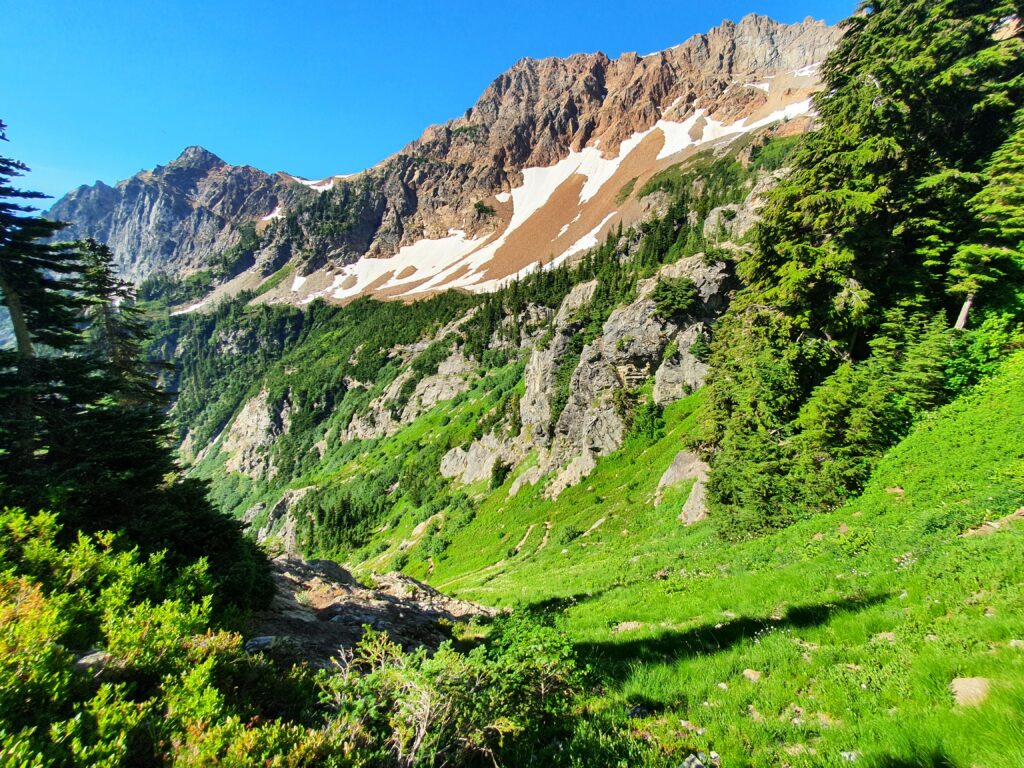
[
  {"x": 686, "y": 466},
  {"x": 321, "y": 609},
  {"x": 969, "y": 691}
]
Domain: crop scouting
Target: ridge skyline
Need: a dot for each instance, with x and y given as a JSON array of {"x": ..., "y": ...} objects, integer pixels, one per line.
[{"x": 355, "y": 134}]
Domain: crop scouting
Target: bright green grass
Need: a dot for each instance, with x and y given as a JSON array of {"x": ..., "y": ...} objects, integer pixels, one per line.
[
  {"x": 857, "y": 620},
  {"x": 274, "y": 280}
]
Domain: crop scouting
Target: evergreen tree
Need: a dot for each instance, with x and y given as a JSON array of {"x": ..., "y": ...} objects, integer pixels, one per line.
[
  {"x": 39, "y": 282},
  {"x": 998, "y": 251},
  {"x": 877, "y": 218},
  {"x": 82, "y": 427}
]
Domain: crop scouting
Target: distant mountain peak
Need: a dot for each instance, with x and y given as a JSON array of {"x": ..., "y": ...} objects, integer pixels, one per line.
[
  {"x": 535, "y": 167},
  {"x": 197, "y": 157}
]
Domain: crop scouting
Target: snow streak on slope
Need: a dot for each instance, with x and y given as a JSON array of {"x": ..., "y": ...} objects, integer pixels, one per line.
[
  {"x": 277, "y": 213},
  {"x": 678, "y": 135},
  {"x": 458, "y": 262},
  {"x": 412, "y": 264}
]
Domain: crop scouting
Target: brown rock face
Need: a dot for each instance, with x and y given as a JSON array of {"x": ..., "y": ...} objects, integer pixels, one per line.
[{"x": 533, "y": 114}]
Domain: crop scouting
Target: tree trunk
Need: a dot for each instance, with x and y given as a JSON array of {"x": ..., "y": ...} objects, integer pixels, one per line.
[
  {"x": 21, "y": 334},
  {"x": 23, "y": 444},
  {"x": 961, "y": 321}
]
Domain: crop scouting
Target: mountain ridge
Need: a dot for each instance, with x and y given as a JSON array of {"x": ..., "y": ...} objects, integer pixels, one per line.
[{"x": 458, "y": 196}]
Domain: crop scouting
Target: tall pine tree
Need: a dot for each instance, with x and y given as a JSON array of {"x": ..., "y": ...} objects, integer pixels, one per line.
[
  {"x": 39, "y": 288},
  {"x": 82, "y": 425}
]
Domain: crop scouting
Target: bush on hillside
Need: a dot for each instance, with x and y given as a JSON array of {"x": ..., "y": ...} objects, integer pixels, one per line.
[{"x": 109, "y": 658}]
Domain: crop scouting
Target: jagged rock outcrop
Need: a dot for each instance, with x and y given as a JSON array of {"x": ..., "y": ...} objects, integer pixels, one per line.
[
  {"x": 252, "y": 434},
  {"x": 177, "y": 217},
  {"x": 319, "y": 611},
  {"x": 452, "y": 378},
  {"x": 728, "y": 224},
  {"x": 687, "y": 466},
  {"x": 682, "y": 372},
  {"x": 473, "y": 464},
  {"x": 628, "y": 351},
  {"x": 280, "y": 523},
  {"x": 539, "y": 376}
]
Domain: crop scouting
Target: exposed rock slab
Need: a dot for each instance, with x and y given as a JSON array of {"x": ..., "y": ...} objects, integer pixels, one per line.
[
  {"x": 687, "y": 466},
  {"x": 319, "y": 610},
  {"x": 476, "y": 463},
  {"x": 249, "y": 438}
]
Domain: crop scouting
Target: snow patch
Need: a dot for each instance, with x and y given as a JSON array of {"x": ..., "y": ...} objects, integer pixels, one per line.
[
  {"x": 297, "y": 282},
  {"x": 413, "y": 263},
  {"x": 192, "y": 307},
  {"x": 458, "y": 262},
  {"x": 760, "y": 86},
  {"x": 586, "y": 242},
  {"x": 274, "y": 214},
  {"x": 809, "y": 71},
  {"x": 677, "y": 135},
  {"x": 322, "y": 185}
]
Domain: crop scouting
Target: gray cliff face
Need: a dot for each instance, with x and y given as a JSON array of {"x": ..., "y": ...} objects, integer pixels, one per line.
[
  {"x": 630, "y": 350},
  {"x": 176, "y": 218}
]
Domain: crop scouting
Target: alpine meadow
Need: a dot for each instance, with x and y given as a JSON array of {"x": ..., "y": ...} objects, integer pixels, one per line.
[{"x": 660, "y": 410}]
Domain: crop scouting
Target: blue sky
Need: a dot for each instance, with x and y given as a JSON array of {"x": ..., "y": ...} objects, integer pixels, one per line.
[{"x": 99, "y": 89}]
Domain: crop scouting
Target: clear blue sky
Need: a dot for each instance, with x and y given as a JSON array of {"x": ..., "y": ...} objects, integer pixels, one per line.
[{"x": 98, "y": 89}]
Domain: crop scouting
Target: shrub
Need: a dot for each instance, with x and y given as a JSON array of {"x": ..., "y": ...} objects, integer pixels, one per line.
[
  {"x": 169, "y": 687},
  {"x": 675, "y": 298},
  {"x": 568, "y": 534},
  {"x": 499, "y": 472}
]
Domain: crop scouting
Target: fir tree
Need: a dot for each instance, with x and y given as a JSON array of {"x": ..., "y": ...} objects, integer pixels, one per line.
[
  {"x": 998, "y": 251},
  {"x": 39, "y": 282},
  {"x": 884, "y": 213}
]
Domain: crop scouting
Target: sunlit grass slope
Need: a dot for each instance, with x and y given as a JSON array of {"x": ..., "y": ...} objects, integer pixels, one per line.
[{"x": 835, "y": 639}]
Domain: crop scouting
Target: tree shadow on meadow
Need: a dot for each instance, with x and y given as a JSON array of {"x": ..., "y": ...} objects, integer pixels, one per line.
[
  {"x": 615, "y": 657},
  {"x": 552, "y": 605},
  {"x": 933, "y": 759}
]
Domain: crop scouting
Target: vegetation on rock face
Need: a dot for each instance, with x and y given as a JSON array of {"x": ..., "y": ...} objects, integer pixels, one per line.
[{"x": 675, "y": 298}]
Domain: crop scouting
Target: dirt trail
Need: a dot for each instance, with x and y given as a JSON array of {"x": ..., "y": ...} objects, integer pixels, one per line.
[
  {"x": 547, "y": 534},
  {"x": 522, "y": 541}
]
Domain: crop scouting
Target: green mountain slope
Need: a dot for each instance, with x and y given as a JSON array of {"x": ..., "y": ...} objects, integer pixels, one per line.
[{"x": 856, "y": 622}]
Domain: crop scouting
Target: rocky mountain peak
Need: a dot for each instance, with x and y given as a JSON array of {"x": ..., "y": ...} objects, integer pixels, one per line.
[
  {"x": 197, "y": 158},
  {"x": 533, "y": 169}
]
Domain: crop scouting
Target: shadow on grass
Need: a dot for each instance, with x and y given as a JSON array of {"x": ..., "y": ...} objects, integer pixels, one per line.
[
  {"x": 558, "y": 604},
  {"x": 933, "y": 759},
  {"x": 615, "y": 657}
]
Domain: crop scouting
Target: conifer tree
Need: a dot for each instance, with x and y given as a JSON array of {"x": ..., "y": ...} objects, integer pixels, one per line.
[
  {"x": 82, "y": 426},
  {"x": 998, "y": 251},
  {"x": 884, "y": 212},
  {"x": 39, "y": 282}
]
